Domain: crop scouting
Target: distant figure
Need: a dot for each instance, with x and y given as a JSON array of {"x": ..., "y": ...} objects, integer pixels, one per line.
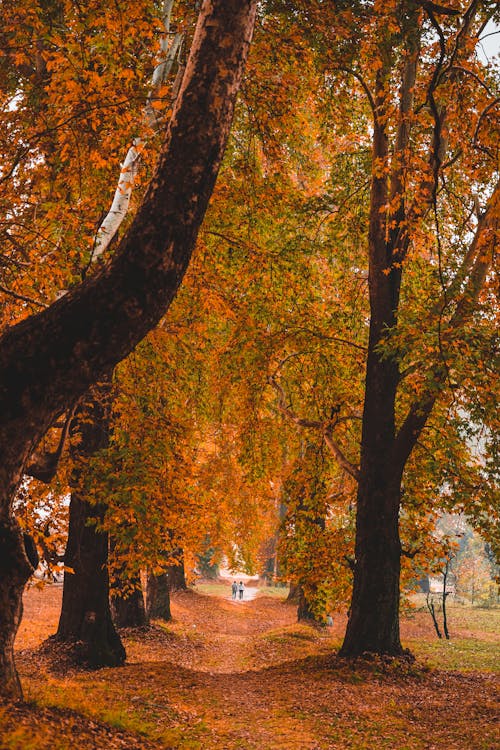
[
  {"x": 329, "y": 621},
  {"x": 241, "y": 589},
  {"x": 234, "y": 589}
]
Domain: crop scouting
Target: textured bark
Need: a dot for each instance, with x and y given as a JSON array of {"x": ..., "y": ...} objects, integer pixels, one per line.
[
  {"x": 176, "y": 576},
  {"x": 15, "y": 569},
  {"x": 374, "y": 616},
  {"x": 85, "y": 614},
  {"x": 49, "y": 361}
]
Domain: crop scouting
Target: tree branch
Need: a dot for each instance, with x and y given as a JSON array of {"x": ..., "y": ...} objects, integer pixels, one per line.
[
  {"x": 326, "y": 429},
  {"x": 22, "y": 297},
  {"x": 477, "y": 262},
  {"x": 44, "y": 465}
]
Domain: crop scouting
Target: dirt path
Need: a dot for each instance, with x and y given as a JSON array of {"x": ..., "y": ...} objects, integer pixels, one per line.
[{"x": 244, "y": 675}]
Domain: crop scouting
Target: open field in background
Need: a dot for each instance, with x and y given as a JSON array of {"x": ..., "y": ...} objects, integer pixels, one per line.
[{"x": 246, "y": 676}]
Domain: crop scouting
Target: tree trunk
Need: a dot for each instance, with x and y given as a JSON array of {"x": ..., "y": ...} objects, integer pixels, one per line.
[
  {"x": 48, "y": 361},
  {"x": 86, "y": 615},
  {"x": 373, "y": 624},
  {"x": 128, "y": 610},
  {"x": 160, "y": 587},
  {"x": 304, "y": 612},
  {"x": 158, "y": 598},
  {"x": 15, "y": 569},
  {"x": 374, "y": 616},
  {"x": 294, "y": 594}
]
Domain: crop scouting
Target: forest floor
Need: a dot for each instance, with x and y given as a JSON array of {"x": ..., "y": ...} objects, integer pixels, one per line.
[{"x": 230, "y": 675}]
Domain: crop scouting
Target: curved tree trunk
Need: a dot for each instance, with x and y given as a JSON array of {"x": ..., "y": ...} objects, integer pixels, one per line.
[
  {"x": 86, "y": 615},
  {"x": 48, "y": 361}
]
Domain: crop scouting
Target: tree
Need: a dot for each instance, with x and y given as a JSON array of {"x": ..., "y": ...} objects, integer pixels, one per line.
[
  {"x": 49, "y": 360},
  {"x": 85, "y": 615},
  {"x": 412, "y": 156}
]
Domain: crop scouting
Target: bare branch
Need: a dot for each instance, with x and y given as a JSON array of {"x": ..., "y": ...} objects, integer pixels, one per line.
[
  {"x": 44, "y": 465},
  {"x": 22, "y": 297},
  {"x": 326, "y": 429},
  {"x": 365, "y": 87},
  {"x": 349, "y": 467},
  {"x": 440, "y": 10},
  {"x": 476, "y": 264}
]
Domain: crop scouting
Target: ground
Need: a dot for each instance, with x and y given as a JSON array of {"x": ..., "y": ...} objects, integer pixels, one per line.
[{"x": 230, "y": 675}]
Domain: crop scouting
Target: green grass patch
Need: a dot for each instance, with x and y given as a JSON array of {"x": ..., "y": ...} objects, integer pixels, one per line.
[
  {"x": 212, "y": 588},
  {"x": 460, "y": 654},
  {"x": 276, "y": 592}
]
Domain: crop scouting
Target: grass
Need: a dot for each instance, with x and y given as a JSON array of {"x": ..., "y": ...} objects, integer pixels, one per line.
[
  {"x": 278, "y": 592},
  {"x": 213, "y": 588},
  {"x": 461, "y": 654},
  {"x": 464, "y": 616}
]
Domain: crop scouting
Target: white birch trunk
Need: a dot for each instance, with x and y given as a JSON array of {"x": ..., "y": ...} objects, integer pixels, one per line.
[{"x": 170, "y": 48}]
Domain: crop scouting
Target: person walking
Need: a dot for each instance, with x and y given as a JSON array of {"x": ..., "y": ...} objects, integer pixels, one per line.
[
  {"x": 234, "y": 589},
  {"x": 241, "y": 589}
]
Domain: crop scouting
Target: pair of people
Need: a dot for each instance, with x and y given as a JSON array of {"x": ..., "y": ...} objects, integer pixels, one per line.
[{"x": 237, "y": 590}]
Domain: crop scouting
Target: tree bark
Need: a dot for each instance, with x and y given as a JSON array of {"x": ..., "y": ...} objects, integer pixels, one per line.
[
  {"x": 176, "y": 576},
  {"x": 293, "y": 594},
  {"x": 159, "y": 589},
  {"x": 15, "y": 569},
  {"x": 158, "y": 598},
  {"x": 373, "y": 624},
  {"x": 48, "y": 361},
  {"x": 85, "y": 614},
  {"x": 128, "y": 610},
  {"x": 304, "y": 612}
]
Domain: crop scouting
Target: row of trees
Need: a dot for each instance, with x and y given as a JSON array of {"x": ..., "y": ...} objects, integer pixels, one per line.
[{"x": 331, "y": 348}]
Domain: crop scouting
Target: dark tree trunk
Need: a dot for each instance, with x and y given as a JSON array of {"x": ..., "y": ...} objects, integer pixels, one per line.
[
  {"x": 160, "y": 587},
  {"x": 432, "y": 610},
  {"x": 158, "y": 598},
  {"x": 304, "y": 612},
  {"x": 15, "y": 569},
  {"x": 127, "y": 599},
  {"x": 128, "y": 609},
  {"x": 374, "y": 616},
  {"x": 176, "y": 576},
  {"x": 294, "y": 593},
  {"x": 48, "y": 361},
  {"x": 373, "y": 624},
  {"x": 86, "y": 615}
]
